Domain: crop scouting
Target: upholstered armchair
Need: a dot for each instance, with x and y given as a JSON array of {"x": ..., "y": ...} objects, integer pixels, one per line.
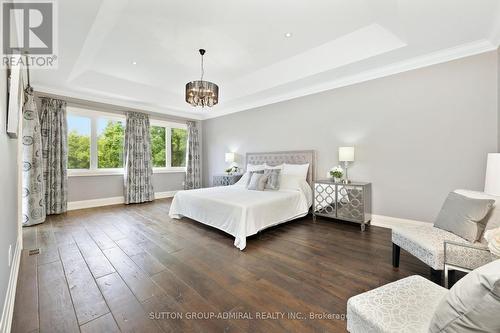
[{"x": 426, "y": 242}]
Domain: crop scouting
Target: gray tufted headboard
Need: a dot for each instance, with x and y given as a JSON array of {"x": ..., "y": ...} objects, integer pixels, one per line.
[{"x": 290, "y": 157}]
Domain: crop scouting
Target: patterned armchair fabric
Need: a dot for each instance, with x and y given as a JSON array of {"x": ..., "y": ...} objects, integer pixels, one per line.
[
  {"x": 427, "y": 244},
  {"x": 404, "y": 306}
]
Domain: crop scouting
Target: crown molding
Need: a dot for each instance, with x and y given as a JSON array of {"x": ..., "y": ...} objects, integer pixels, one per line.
[
  {"x": 442, "y": 56},
  {"x": 119, "y": 103}
]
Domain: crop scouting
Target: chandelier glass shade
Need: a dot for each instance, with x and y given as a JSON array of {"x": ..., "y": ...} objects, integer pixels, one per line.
[{"x": 202, "y": 93}]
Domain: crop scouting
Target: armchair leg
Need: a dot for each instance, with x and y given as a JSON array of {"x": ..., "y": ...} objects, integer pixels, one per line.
[
  {"x": 452, "y": 278},
  {"x": 396, "y": 251},
  {"x": 436, "y": 276}
]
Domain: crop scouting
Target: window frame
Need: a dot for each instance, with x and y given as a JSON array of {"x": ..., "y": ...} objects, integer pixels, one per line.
[
  {"x": 94, "y": 116},
  {"x": 168, "y": 133}
]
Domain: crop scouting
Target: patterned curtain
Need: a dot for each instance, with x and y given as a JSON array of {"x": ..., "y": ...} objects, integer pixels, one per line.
[
  {"x": 33, "y": 186},
  {"x": 193, "y": 169},
  {"x": 138, "y": 164},
  {"x": 54, "y": 130}
]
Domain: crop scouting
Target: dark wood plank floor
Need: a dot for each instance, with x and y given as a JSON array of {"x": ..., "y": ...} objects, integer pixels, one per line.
[{"x": 133, "y": 269}]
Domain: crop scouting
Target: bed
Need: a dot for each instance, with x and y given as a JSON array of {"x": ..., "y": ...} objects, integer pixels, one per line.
[{"x": 241, "y": 212}]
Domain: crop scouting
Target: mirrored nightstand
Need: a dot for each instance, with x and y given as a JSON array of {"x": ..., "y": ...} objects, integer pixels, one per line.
[
  {"x": 225, "y": 179},
  {"x": 349, "y": 202}
]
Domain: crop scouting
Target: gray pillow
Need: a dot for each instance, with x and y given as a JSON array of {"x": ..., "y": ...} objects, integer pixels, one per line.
[
  {"x": 473, "y": 304},
  {"x": 250, "y": 173},
  {"x": 273, "y": 179},
  {"x": 464, "y": 216},
  {"x": 257, "y": 182}
]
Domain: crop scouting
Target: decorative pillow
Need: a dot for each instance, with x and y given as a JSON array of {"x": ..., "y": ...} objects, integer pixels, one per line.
[
  {"x": 464, "y": 216},
  {"x": 245, "y": 179},
  {"x": 273, "y": 179},
  {"x": 296, "y": 170},
  {"x": 257, "y": 182},
  {"x": 473, "y": 303},
  {"x": 492, "y": 220}
]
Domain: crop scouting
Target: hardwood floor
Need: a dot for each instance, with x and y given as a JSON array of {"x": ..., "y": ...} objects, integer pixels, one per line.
[{"x": 133, "y": 269}]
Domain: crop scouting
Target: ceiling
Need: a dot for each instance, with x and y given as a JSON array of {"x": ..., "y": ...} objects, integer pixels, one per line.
[{"x": 334, "y": 43}]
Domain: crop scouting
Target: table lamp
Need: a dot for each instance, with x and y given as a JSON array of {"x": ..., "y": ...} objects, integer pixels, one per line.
[
  {"x": 230, "y": 157},
  {"x": 492, "y": 180},
  {"x": 346, "y": 155}
]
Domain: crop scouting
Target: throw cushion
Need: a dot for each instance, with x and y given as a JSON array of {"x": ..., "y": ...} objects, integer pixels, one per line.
[
  {"x": 257, "y": 182},
  {"x": 245, "y": 179},
  {"x": 473, "y": 303},
  {"x": 493, "y": 218},
  {"x": 296, "y": 170},
  {"x": 273, "y": 179},
  {"x": 464, "y": 216}
]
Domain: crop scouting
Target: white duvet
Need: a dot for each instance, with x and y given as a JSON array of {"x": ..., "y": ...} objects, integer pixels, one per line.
[{"x": 241, "y": 212}]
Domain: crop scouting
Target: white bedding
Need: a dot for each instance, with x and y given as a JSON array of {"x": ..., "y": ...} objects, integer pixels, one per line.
[{"x": 241, "y": 212}]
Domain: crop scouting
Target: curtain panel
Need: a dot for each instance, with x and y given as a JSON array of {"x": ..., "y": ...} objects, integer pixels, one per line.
[
  {"x": 54, "y": 132},
  {"x": 138, "y": 178},
  {"x": 33, "y": 184},
  {"x": 193, "y": 165}
]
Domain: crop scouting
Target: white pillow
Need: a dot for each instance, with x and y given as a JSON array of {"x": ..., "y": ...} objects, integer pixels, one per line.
[
  {"x": 267, "y": 166},
  {"x": 290, "y": 182},
  {"x": 299, "y": 170},
  {"x": 255, "y": 167}
]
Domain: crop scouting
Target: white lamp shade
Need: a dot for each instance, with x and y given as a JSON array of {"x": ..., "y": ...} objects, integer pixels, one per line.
[
  {"x": 492, "y": 181},
  {"x": 230, "y": 157},
  {"x": 346, "y": 154}
]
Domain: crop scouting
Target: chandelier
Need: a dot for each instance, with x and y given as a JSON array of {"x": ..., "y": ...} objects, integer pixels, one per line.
[{"x": 202, "y": 93}]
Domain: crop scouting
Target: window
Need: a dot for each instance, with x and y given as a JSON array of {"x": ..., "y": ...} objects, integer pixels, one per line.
[
  {"x": 95, "y": 143},
  {"x": 78, "y": 142},
  {"x": 110, "y": 135},
  {"x": 168, "y": 145},
  {"x": 158, "y": 146},
  {"x": 178, "y": 142}
]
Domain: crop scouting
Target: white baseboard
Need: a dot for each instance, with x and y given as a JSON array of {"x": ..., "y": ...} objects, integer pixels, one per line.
[
  {"x": 10, "y": 296},
  {"x": 73, "y": 205},
  {"x": 390, "y": 222}
]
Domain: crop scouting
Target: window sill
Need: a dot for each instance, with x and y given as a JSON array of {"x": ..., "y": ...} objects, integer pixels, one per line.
[
  {"x": 118, "y": 172},
  {"x": 169, "y": 170}
]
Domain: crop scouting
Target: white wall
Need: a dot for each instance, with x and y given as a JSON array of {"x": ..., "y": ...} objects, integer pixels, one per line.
[
  {"x": 100, "y": 187},
  {"x": 9, "y": 194},
  {"x": 418, "y": 134}
]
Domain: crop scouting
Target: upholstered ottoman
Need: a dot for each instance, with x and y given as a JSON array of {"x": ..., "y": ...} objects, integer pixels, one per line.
[{"x": 406, "y": 305}]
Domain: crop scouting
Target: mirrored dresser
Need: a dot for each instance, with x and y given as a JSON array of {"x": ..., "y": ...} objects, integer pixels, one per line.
[{"x": 349, "y": 202}]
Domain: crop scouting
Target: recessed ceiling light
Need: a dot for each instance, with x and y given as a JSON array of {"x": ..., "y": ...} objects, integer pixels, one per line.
[
  {"x": 134, "y": 62},
  {"x": 288, "y": 34}
]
